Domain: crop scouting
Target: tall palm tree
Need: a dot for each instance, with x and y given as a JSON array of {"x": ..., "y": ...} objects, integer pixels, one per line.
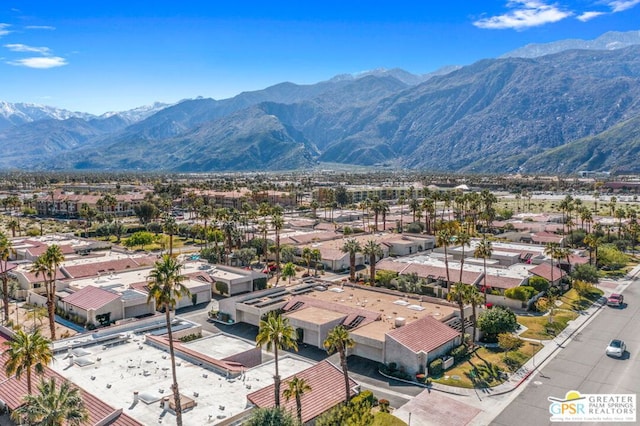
[
  {"x": 475, "y": 298},
  {"x": 165, "y": 288},
  {"x": 6, "y": 250},
  {"x": 552, "y": 250},
  {"x": 170, "y": 227},
  {"x": 384, "y": 210},
  {"x": 484, "y": 250},
  {"x": 351, "y": 246},
  {"x": 278, "y": 223},
  {"x": 289, "y": 271},
  {"x": 338, "y": 340},
  {"x": 14, "y": 226},
  {"x": 27, "y": 352},
  {"x": 276, "y": 333},
  {"x": 307, "y": 255},
  {"x": 459, "y": 294},
  {"x": 47, "y": 264},
  {"x": 373, "y": 250},
  {"x": 296, "y": 389},
  {"x": 443, "y": 238},
  {"x": 401, "y": 201},
  {"x": 316, "y": 255},
  {"x": 53, "y": 406},
  {"x": 376, "y": 206},
  {"x": 464, "y": 240}
]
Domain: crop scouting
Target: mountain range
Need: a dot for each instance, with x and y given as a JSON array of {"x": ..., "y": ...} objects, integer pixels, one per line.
[{"x": 554, "y": 108}]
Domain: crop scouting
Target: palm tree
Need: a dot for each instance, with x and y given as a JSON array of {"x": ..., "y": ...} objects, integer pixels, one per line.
[
  {"x": 551, "y": 250},
  {"x": 170, "y": 227},
  {"x": 373, "y": 250},
  {"x": 484, "y": 250},
  {"x": 53, "y": 406},
  {"x": 288, "y": 271},
  {"x": 297, "y": 388},
  {"x": 401, "y": 201},
  {"x": 352, "y": 247},
  {"x": 47, "y": 264},
  {"x": 475, "y": 298},
  {"x": 14, "y": 226},
  {"x": 384, "y": 210},
  {"x": 6, "y": 250},
  {"x": 338, "y": 340},
  {"x": 316, "y": 255},
  {"x": 464, "y": 240},
  {"x": 276, "y": 332},
  {"x": 459, "y": 294},
  {"x": 165, "y": 288},
  {"x": 306, "y": 255},
  {"x": 443, "y": 238},
  {"x": 27, "y": 352},
  {"x": 278, "y": 223}
]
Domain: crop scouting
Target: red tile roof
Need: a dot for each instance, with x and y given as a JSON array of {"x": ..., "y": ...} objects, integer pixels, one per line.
[
  {"x": 502, "y": 281},
  {"x": 326, "y": 382},
  {"x": 424, "y": 271},
  {"x": 13, "y": 390},
  {"x": 425, "y": 334},
  {"x": 544, "y": 270},
  {"x": 90, "y": 297}
]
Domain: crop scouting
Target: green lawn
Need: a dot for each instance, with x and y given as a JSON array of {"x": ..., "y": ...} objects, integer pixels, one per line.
[
  {"x": 540, "y": 328},
  {"x": 386, "y": 419},
  {"x": 484, "y": 367},
  {"x": 573, "y": 301}
]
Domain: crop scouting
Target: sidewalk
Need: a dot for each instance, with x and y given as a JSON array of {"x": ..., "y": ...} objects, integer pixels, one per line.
[{"x": 548, "y": 350}]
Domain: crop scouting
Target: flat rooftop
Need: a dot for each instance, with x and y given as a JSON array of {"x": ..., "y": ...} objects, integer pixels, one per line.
[
  {"x": 114, "y": 373},
  {"x": 388, "y": 306},
  {"x": 219, "y": 346},
  {"x": 315, "y": 315},
  {"x": 123, "y": 280}
]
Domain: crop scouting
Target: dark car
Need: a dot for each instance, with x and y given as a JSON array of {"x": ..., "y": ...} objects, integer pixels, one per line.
[{"x": 615, "y": 300}]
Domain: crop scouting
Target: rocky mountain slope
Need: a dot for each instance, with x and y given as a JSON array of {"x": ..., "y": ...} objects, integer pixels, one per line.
[{"x": 576, "y": 109}]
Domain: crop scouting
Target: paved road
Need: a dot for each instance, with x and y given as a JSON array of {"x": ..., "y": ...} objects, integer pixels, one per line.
[{"x": 583, "y": 366}]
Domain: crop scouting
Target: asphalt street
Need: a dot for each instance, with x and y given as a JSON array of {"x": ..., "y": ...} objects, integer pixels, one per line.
[{"x": 583, "y": 366}]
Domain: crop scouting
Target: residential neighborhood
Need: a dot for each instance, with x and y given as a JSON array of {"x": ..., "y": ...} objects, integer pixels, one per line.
[{"x": 372, "y": 300}]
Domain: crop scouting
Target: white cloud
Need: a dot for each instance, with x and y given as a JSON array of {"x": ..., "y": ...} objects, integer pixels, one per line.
[
  {"x": 40, "y": 27},
  {"x": 3, "y": 29},
  {"x": 586, "y": 16},
  {"x": 24, "y": 48},
  {"x": 524, "y": 14},
  {"x": 622, "y": 5},
  {"x": 40, "y": 62}
]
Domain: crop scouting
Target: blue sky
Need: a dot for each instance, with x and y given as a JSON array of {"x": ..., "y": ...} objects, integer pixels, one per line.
[{"x": 96, "y": 56}]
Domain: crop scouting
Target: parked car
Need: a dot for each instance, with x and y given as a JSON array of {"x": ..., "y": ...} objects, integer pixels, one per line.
[
  {"x": 615, "y": 300},
  {"x": 616, "y": 348}
]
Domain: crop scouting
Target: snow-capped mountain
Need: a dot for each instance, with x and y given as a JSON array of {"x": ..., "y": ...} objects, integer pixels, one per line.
[
  {"x": 12, "y": 114},
  {"x": 137, "y": 114}
]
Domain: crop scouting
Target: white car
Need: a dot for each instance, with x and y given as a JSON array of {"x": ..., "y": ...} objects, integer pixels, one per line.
[{"x": 616, "y": 348}]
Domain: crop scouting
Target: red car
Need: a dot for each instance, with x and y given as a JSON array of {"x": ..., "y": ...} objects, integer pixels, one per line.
[{"x": 615, "y": 300}]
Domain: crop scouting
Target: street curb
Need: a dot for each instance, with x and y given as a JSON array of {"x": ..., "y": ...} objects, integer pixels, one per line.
[{"x": 553, "y": 351}]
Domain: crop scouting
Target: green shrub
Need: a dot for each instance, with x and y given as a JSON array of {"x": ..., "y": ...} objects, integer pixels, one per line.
[
  {"x": 538, "y": 283},
  {"x": 459, "y": 353},
  {"x": 512, "y": 361},
  {"x": 367, "y": 396},
  {"x": 522, "y": 293},
  {"x": 436, "y": 368}
]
